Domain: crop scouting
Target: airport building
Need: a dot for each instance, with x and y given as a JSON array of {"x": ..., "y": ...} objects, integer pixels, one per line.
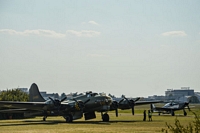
[
  {"x": 182, "y": 94},
  {"x": 176, "y": 94}
]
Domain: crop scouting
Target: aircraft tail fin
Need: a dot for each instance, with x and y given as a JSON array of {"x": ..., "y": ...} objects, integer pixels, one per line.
[
  {"x": 152, "y": 106},
  {"x": 34, "y": 94}
]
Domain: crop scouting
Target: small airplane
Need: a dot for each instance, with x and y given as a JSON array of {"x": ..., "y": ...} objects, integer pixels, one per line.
[
  {"x": 171, "y": 107},
  {"x": 71, "y": 109},
  {"x": 127, "y": 103}
]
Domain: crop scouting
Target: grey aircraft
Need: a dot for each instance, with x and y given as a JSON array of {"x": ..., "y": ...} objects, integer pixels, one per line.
[
  {"x": 98, "y": 103},
  {"x": 171, "y": 107},
  {"x": 71, "y": 109},
  {"x": 128, "y": 103},
  {"x": 45, "y": 107}
]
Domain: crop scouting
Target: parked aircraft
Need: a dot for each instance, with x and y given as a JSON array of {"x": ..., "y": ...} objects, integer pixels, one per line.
[
  {"x": 171, "y": 107},
  {"x": 74, "y": 110},
  {"x": 127, "y": 103},
  {"x": 97, "y": 103}
]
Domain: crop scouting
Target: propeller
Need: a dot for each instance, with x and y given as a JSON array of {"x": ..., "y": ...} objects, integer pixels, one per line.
[
  {"x": 80, "y": 104},
  {"x": 115, "y": 105},
  {"x": 63, "y": 99},
  {"x": 131, "y": 103},
  {"x": 57, "y": 103}
]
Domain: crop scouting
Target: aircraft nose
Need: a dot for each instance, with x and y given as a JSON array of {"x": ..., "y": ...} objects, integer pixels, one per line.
[{"x": 108, "y": 100}]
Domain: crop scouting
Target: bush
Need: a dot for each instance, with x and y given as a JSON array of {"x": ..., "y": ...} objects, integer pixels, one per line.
[{"x": 178, "y": 128}]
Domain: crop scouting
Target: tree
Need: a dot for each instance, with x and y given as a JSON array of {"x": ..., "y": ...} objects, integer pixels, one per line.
[{"x": 13, "y": 95}]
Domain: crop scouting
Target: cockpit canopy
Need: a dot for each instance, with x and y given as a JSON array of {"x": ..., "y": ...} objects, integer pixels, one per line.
[
  {"x": 170, "y": 104},
  {"x": 91, "y": 94}
]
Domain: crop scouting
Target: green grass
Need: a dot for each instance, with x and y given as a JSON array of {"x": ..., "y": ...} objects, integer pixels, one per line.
[{"x": 124, "y": 123}]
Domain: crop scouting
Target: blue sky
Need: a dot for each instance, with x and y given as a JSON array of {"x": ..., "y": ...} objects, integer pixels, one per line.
[{"x": 135, "y": 48}]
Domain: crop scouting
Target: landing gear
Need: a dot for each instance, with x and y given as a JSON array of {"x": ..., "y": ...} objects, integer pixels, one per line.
[
  {"x": 105, "y": 117},
  {"x": 44, "y": 115},
  {"x": 185, "y": 113},
  {"x": 44, "y": 118},
  {"x": 172, "y": 113},
  {"x": 68, "y": 118}
]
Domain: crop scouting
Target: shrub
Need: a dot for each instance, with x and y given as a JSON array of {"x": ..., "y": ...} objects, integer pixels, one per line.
[{"x": 178, "y": 128}]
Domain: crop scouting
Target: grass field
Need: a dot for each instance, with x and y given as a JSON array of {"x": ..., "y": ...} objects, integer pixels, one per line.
[{"x": 124, "y": 123}]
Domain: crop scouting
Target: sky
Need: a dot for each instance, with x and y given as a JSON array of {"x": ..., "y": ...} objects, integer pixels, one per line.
[{"x": 131, "y": 47}]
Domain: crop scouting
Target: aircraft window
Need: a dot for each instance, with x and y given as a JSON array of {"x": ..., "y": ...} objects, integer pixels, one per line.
[
  {"x": 94, "y": 94},
  {"x": 102, "y": 94},
  {"x": 88, "y": 95},
  {"x": 168, "y": 104}
]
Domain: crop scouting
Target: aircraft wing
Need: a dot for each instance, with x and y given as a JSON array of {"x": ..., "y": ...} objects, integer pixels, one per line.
[
  {"x": 38, "y": 106},
  {"x": 22, "y": 105},
  {"x": 146, "y": 102},
  {"x": 160, "y": 109},
  {"x": 13, "y": 110},
  {"x": 166, "y": 109}
]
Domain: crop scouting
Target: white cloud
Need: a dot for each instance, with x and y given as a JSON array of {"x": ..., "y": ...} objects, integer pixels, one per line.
[
  {"x": 39, "y": 32},
  {"x": 93, "y": 22},
  {"x": 10, "y": 31},
  {"x": 51, "y": 33},
  {"x": 84, "y": 33},
  {"x": 174, "y": 33}
]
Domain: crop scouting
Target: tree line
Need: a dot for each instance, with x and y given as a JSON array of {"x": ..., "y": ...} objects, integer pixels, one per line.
[{"x": 12, "y": 95}]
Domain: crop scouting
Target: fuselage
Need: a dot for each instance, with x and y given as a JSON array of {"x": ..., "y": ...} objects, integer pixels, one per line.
[{"x": 97, "y": 102}]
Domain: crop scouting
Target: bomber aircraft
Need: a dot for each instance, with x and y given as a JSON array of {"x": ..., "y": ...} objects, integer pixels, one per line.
[
  {"x": 98, "y": 103},
  {"x": 70, "y": 109},
  {"x": 127, "y": 103},
  {"x": 171, "y": 107}
]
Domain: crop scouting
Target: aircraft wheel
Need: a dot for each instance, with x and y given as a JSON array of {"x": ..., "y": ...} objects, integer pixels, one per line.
[
  {"x": 44, "y": 118},
  {"x": 185, "y": 113},
  {"x": 105, "y": 117},
  {"x": 68, "y": 118},
  {"x": 172, "y": 113}
]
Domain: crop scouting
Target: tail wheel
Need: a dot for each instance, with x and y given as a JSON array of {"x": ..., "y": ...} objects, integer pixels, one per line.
[{"x": 68, "y": 118}]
